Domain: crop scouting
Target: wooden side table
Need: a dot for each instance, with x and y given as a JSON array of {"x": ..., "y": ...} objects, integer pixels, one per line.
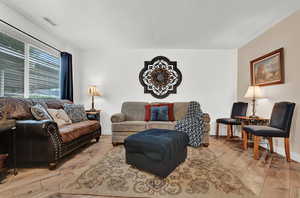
[
  {"x": 245, "y": 120},
  {"x": 93, "y": 115}
]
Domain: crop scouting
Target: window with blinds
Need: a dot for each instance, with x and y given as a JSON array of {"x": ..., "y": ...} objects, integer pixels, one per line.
[
  {"x": 12, "y": 59},
  {"x": 43, "y": 74},
  {"x": 27, "y": 71}
]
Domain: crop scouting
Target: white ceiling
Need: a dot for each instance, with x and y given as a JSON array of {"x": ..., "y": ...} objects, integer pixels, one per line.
[{"x": 172, "y": 24}]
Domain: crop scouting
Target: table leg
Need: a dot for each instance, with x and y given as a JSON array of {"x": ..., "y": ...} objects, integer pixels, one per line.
[
  {"x": 14, "y": 157},
  {"x": 245, "y": 140}
]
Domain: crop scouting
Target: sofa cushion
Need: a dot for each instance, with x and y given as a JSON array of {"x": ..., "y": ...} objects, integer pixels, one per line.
[
  {"x": 134, "y": 111},
  {"x": 18, "y": 108},
  {"x": 60, "y": 117},
  {"x": 170, "y": 110},
  {"x": 161, "y": 125},
  {"x": 40, "y": 113},
  {"x": 75, "y": 130},
  {"x": 75, "y": 112},
  {"x": 159, "y": 113},
  {"x": 57, "y": 104},
  {"x": 180, "y": 110},
  {"x": 129, "y": 126}
]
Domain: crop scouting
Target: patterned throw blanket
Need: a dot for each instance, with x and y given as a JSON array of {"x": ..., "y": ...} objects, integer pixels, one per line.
[{"x": 192, "y": 124}]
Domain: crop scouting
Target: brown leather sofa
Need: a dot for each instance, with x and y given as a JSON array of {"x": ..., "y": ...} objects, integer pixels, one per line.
[{"x": 42, "y": 142}]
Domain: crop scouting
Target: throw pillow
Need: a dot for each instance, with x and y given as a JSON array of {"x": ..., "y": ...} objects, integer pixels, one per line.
[
  {"x": 170, "y": 110},
  {"x": 75, "y": 112},
  {"x": 60, "y": 117},
  {"x": 40, "y": 113},
  {"x": 159, "y": 113}
]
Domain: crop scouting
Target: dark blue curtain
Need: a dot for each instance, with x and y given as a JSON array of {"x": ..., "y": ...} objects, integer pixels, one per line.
[{"x": 66, "y": 76}]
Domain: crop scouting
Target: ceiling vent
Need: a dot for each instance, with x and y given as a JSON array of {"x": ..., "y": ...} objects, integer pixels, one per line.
[{"x": 49, "y": 21}]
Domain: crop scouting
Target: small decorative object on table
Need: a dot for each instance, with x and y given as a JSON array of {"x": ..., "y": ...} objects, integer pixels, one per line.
[
  {"x": 254, "y": 92},
  {"x": 93, "y": 92},
  {"x": 93, "y": 115}
]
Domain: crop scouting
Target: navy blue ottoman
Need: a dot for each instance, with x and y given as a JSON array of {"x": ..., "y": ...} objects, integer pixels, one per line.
[{"x": 158, "y": 151}]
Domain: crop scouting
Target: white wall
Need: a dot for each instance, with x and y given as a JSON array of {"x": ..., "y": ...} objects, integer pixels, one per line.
[{"x": 209, "y": 76}]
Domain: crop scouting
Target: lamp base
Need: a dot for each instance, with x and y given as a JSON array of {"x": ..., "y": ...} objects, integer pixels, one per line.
[
  {"x": 92, "y": 110},
  {"x": 253, "y": 117}
]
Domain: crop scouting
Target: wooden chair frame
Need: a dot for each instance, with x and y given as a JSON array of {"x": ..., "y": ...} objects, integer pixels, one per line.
[{"x": 270, "y": 140}]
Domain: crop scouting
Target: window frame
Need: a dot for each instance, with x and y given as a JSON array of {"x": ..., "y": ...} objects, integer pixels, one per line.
[{"x": 27, "y": 46}]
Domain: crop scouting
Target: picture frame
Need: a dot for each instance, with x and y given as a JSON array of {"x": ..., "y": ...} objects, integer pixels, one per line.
[{"x": 268, "y": 69}]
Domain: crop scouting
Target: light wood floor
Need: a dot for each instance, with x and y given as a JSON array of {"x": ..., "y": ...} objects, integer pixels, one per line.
[{"x": 269, "y": 177}]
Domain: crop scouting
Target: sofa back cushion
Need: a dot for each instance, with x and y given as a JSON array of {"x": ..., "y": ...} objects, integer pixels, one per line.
[
  {"x": 134, "y": 111},
  {"x": 51, "y": 103},
  {"x": 180, "y": 110},
  {"x": 18, "y": 108}
]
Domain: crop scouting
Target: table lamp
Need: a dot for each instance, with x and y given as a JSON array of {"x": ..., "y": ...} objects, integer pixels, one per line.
[
  {"x": 253, "y": 93},
  {"x": 93, "y": 92}
]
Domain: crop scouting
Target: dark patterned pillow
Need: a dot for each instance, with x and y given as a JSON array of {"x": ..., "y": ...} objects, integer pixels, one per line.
[
  {"x": 40, "y": 113},
  {"x": 159, "y": 113},
  {"x": 75, "y": 112}
]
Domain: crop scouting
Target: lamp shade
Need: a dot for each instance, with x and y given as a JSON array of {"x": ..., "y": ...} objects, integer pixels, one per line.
[
  {"x": 254, "y": 92},
  {"x": 93, "y": 91}
]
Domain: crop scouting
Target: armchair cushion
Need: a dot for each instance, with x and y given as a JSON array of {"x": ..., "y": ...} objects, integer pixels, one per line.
[
  {"x": 118, "y": 117},
  {"x": 75, "y": 130},
  {"x": 265, "y": 131},
  {"x": 229, "y": 121}
]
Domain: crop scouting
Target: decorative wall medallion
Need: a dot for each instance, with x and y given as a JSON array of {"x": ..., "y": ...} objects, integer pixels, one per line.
[{"x": 160, "y": 77}]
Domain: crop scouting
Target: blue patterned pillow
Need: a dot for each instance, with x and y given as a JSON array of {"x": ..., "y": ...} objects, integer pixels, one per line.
[
  {"x": 75, "y": 112},
  {"x": 159, "y": 113}
]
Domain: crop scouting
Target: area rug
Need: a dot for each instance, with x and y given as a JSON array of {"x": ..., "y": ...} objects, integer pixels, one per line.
[
  {"x": 201, "y": 175},
  {"x": 68, "y": 195}
]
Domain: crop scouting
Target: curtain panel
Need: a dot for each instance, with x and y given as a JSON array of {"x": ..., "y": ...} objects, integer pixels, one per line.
[{"x": 66, "y": 77}]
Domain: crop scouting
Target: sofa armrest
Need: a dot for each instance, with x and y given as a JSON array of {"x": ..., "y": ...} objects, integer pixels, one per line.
[
  {"x": 38, "y": 141},
  {"x": 118, "y": 117},
  {"x": 205, "y": 117},
  {"x": 38, "y": 127}
]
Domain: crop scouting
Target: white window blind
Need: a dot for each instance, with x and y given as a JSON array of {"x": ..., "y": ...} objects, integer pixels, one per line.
[
  {"x": 27, "y": 70},
  {"x": 12, "y": 56},
  {"x": 43, "y": 74}
]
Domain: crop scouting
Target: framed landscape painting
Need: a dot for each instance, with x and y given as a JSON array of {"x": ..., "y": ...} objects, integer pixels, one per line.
[{"x": 268, "y": 69}]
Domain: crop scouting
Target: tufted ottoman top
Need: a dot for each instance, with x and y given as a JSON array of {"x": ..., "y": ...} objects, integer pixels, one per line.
[{"x": 157, "y": 144}]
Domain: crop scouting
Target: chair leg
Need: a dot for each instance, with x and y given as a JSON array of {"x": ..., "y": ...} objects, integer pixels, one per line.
[
  {"x": 228, "y": 131},
  {"x": 256, "y": 147},
  {"x": 287, "y": 149},
  {"x": 231, "y": 131},
  {"x": 245, "y": 139},
  {"x": 217, "y": 130},
  {"x": 271, "y": 144}
]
